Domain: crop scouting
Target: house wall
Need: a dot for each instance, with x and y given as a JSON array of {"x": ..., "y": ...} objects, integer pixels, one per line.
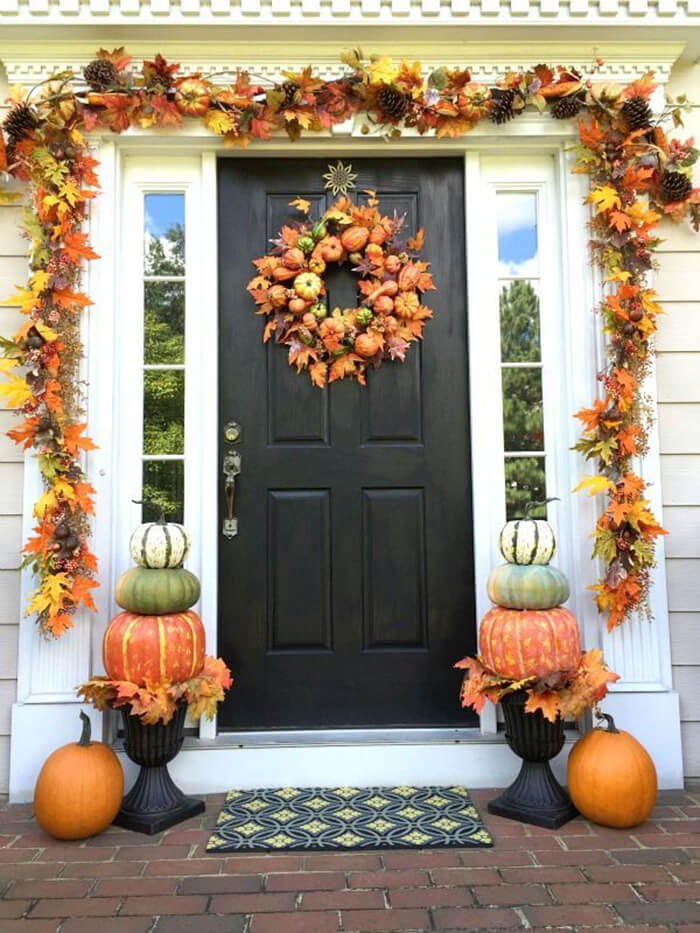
[
  {"x": 679, "y": 430},
  {"x": 12, "y": 270}
]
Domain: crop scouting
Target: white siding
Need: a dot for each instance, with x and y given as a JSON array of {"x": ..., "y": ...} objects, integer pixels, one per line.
[
  {"x": 679, "y": 429},
  {"x": 12, "y": 271}
]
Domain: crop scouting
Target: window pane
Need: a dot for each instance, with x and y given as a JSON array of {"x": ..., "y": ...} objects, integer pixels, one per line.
[
  {"x": 517, "y": 233},
  {"x": 523, "y": 427},
  {"x": 163, "y": 490},
  {"x": 164, "y": 412},
  {"x": 520, "y": 322},
  {"x": 164, "y": 245},
  {"x": 525, "y": 483},
  {"x": 164, "y": 322}
]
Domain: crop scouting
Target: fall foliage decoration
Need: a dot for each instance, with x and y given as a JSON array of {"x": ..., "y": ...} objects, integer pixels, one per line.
[
  {"x": 290, "y": 291},
  {"x": 155, "y": 701},
  {"x": 79, "y": 788},
  {"x": 562, "y": 693},
  {"x": 611, "y": 778},
  {"x": 638, "y": 176}
]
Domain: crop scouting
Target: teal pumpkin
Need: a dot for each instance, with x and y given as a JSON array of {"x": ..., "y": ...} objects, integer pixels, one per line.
[
  {"x": 532, "y": 586},
  {"x": 157, "y": 592}
]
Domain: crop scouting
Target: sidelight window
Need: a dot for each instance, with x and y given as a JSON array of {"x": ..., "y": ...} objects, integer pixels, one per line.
[
  {"x": 521, "y": 351},
  {"x": 163, "y": 447}
]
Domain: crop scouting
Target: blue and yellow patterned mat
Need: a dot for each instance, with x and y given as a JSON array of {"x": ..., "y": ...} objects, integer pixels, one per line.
[{"x": 315, "y": 818}]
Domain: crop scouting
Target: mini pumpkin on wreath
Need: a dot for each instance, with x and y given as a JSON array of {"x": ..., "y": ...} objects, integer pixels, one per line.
[{"x": 289, "y": 289}]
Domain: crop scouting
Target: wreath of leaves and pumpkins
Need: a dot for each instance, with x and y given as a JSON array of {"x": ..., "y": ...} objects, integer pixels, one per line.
[
  {"x": 289, "y": 288},
  {"x": 637, "y": 177}
]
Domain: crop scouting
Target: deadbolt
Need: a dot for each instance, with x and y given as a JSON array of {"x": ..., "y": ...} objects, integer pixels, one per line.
[{"x": 232, "y": 432}]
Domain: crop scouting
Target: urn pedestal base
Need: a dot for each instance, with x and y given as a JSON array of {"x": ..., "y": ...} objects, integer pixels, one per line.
[
  {"x": 535, "y": 796},
  {"x": 155, "y": 802}
]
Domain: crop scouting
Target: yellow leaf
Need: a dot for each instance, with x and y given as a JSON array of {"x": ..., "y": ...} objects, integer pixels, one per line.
[
  {"x": 382, "y": 71},
  {"x": 219, "y": 122},
  {"x": 594, "y": 484},
  {"x": 40, "y": 279},
  {"x": 6, "y": 365},
  {"x": 45, "y": 502},
  {"x": 604, "y": 198},
  {"x": 23, "y": 297},
  {"x": 301, "y": 205},
  {"x": 15, "y": 391},
  {"x": 46, "y": 332},
  {"x": 64, "y": 489},
  {"x": 77, "y": 137}
]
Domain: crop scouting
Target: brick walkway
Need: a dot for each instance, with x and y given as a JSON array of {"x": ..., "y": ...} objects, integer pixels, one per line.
[{"x": 579, "y": 877}]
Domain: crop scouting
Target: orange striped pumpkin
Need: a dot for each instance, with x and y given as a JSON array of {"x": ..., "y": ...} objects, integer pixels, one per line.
[
  {"x": 142, "y": 648},
  {"x": 520, "y": 643}
]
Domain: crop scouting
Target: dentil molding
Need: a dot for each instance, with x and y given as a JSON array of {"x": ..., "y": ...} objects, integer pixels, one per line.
[
  {"x": 95, "y": 12},
  {"x": 28, "y": 63}
]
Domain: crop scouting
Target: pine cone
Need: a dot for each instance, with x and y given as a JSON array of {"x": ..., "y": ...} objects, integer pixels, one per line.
[
  {"x": 19, "y": 122},
  {"x": 101, "y": 74},
  {"x": 637, "y": 113},
  {"x": 392, "y": 103},
  {"x": 290, "y": 89},
  {"x": 675, "y": 186},
  {"x": 564, "y": 108},
  {"x": 502, "y": 105}
]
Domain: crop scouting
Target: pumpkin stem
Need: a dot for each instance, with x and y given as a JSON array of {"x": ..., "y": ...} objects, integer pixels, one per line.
[
  {"x": 609, "y": 721},
  {"x": 531, "y": 505},
  {"x": 160, "y": 521},
  {"x": 85, "y": 734}
]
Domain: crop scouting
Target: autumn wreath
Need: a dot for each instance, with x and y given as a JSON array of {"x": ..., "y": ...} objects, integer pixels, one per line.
[{"x": 289, "y": 289}]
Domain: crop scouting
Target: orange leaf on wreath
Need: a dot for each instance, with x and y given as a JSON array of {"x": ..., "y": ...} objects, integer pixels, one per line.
[
  {"x": 81, "y": 592},
  {"x": 73, "y": 441}
]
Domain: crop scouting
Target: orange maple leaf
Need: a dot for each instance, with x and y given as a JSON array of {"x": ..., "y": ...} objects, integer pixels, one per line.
[
  {"x": 59, "y": 623},
  {"x": 318, "y": 372},
  {"x": 73, "y": 441},
  {"x": 301, "y": 204},
  {"x": 591, "y": 134},
  {"x": 24, "y": 433},
  {"x": 547, "y": 702},
  {"x": 80, "y": 592},
  {"x": 590, "y": 417}
]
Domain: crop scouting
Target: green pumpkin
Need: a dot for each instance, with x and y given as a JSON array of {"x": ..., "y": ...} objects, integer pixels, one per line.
[
  {"x": 157, "y": 592},
  {"x": 531, "y": 586}
]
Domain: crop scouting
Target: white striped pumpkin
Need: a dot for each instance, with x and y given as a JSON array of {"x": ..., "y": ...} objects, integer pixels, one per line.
[
  {"x": 159, "y": 544},
  {"x": 527, "y": 541},
  {"x": 527, "y": 587}
]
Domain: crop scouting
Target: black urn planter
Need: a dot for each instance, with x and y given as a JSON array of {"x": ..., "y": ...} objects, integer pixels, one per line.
[
  {"x": 155, "y": 802},
  {"x": 535, "y": 796}
]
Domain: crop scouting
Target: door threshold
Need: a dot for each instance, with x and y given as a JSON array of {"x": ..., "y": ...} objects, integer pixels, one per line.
[{"x": 281, "y": 738}]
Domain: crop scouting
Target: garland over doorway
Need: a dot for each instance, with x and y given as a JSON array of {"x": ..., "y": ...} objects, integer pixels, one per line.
[{"x": 637, "y": 176}]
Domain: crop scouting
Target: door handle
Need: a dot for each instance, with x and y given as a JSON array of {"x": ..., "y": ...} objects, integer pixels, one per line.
[{"x": 232, "y": 468}]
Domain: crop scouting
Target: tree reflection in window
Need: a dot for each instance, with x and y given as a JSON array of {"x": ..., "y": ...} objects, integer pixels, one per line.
[
  {"x": 164, "y": 357},
  {"x": 521, "y": 357}
]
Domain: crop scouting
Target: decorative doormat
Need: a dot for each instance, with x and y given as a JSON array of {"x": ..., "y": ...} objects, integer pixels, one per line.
[{"x": 292, "y": 818}]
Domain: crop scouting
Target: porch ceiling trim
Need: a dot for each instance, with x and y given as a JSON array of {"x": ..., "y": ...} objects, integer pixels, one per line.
[{"x": 491, "y": 12}]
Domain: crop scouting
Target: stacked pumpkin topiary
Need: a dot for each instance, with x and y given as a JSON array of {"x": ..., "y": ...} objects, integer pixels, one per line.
[
  {"x": 528, "y": 633},
  {"x": 156, "y": 639}
]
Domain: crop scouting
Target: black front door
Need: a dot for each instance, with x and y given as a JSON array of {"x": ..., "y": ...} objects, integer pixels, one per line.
[{"x": 348, "y": 593}]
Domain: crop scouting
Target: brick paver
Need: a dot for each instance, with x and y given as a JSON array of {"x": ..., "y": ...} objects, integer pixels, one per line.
[{"x": 580, "y": 878}]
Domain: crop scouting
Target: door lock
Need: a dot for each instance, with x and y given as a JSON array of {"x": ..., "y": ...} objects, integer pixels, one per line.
[{"x": 232, "y": 432}]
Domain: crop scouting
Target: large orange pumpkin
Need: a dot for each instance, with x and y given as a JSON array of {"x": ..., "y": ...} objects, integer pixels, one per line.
[
  {"x": 79, "y": 789},
  {"x": 519, "y": 643},
  {"x": 154, "y": 648},
  {"x": 611, "y": 778}
]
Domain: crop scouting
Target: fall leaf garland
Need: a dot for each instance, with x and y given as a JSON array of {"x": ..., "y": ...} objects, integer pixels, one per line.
[
  {"x": 637, "y": 175},
  {"x": 289, "y": 289}
]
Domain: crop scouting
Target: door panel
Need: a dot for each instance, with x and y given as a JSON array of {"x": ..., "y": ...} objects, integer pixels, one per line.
[{"x": 348, "y": 593}]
